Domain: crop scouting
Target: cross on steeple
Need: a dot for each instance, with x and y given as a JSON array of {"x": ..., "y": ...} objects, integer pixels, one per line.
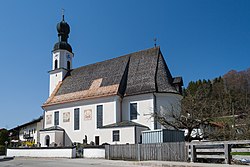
[
  {"x": 155, "y": 39},
  {"x": 63, "y": 10}
]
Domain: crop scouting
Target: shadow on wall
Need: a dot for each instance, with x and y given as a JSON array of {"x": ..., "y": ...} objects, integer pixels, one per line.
[{"x": 67, "y": 140}]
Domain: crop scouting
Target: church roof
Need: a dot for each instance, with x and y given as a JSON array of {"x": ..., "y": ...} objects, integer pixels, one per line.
[
  {"x": 53, "y": 128},
  {"x": 137, "y": 73},
  {"x": 123, "y": 124}
]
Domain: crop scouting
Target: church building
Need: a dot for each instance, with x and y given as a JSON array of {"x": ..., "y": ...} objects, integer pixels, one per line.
[{"x": 106, "y": 102}]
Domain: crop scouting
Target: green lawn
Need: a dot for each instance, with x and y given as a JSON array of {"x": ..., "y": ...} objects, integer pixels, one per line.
[{"x": 240, "y": 153}]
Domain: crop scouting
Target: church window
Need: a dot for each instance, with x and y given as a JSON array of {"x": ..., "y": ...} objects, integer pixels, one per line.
[
  {"x": 76, "y": 119},
  {"x": 56, "y": 64},
  {"x": 133, "y": 111},
  {"x": 116, "y": 135},
  {"x": 99, "y": 118},
  {"x": 56, "y": 118},
  {"x": 68, "y": 65}
]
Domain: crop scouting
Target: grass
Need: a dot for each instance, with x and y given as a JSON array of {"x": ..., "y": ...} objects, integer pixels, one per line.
[{"x": 240, "y": 153}]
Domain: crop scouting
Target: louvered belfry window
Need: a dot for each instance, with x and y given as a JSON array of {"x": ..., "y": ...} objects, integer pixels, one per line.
[
  {"x": 133, "y": 111},
  {"x": 68, "y": 65},
  {"x": 56, "y": 64},
  {"x": 99, "y": 113},
  {"x": 76, "y": 119}
]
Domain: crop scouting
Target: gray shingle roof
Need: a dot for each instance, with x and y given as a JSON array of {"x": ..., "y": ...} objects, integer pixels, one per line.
[
  {"x": 136, "y": 73},
  {"x": 178, "y": 80},
  {"x": 123, "y": 124},
  {"x": 53, "y": 128},
  {"x": 111, "y": 72}
]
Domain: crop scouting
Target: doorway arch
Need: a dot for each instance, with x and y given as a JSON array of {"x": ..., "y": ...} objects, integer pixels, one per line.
[{"x": 47, "y": 140}]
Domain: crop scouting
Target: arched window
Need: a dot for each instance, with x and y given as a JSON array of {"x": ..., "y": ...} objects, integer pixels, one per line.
[
  {"x": 56, "y": 64},
  {"x": 68, "y": 65},
  {"x": 47, "y": 140}
]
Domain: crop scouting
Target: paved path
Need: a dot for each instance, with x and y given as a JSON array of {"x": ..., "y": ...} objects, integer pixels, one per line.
[{"x": 54, "y": 162}]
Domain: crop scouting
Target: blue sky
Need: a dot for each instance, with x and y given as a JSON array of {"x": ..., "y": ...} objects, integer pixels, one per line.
[{"x": 200, "y": 39}]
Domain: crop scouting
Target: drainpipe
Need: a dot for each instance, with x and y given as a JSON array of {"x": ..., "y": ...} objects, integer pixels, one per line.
[
  {"x": 64, "y": 138},
  {"x": 155, "y": 109},
  {"x": 120, "y": 99}
]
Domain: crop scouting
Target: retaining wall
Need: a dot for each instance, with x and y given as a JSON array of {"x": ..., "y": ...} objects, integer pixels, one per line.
[
  {"x": 59, "y": 152},
  {"x": 94, "y": 152}
]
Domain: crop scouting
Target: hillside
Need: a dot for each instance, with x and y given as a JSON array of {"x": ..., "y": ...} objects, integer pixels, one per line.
[{"x": 223, "y": 102}]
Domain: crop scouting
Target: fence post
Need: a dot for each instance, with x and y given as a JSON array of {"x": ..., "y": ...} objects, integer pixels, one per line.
[
  {"x": 193, "y": 153},
  {"x": 186, "y": 155},
  {"x": 138, "y": 152},
  {"x": 107, "y": 152},
  {"x": 227, "y": 150}
]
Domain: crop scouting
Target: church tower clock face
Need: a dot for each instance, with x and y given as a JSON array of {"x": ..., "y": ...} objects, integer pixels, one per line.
[{"x": 68, "y": 57}]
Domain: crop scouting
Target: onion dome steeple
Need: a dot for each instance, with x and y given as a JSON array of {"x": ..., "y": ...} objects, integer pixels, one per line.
[{"x": 63, "y": 30}]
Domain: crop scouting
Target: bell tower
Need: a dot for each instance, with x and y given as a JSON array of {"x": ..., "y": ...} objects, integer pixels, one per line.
[{"x": 62, "y": 56}]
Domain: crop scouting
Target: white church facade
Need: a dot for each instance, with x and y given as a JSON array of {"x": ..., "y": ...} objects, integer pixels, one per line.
[{"x": 106, "y": 102}]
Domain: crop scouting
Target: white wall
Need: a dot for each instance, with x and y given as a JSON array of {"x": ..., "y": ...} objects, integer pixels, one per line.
[
  {"x": 94, "y": 152},
  {"x": 43, "y": 135},
  {"x": 56, "y": 76},
  {"x": 127, "y": 135},
  {"x": 111, "y": 114},
  {"x": 55, "y": 136},
  {"x": 139, "y": 133},
  {"x": 168, "y": 104},
  {"x": 29, "y": 152},
  {"x": 145, "y": 107},
  {"x": 39, "y": 127},
  {"x": 87, "y": 126}
]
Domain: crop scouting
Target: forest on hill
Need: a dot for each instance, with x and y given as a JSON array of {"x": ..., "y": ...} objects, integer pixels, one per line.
[{"x": 219, "y": 108}]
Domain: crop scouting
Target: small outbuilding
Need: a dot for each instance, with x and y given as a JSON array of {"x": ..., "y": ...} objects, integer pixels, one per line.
[{"x": 162, "y": 136}]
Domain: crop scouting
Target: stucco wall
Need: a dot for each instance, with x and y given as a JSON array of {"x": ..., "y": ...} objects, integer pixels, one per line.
[
  {"x": 127, "y": 135},
  {"x": 138, "y": 131},
  {"x": 165, "y": 102},
  {"x": 55, "y": 136},
  {"x": 39, "y": 127},
  {"x": 43, "y": 152},
  {"x": 168, "y": 104},
  {"x": 94, "y": 152},
  {"x": 57, "y": 76},
  {"x": 87, "y": 126},
  {"x": 145, "y": 108}
]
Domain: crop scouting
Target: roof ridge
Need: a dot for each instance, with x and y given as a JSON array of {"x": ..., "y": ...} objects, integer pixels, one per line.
[{"x": 156, "y": 70}]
